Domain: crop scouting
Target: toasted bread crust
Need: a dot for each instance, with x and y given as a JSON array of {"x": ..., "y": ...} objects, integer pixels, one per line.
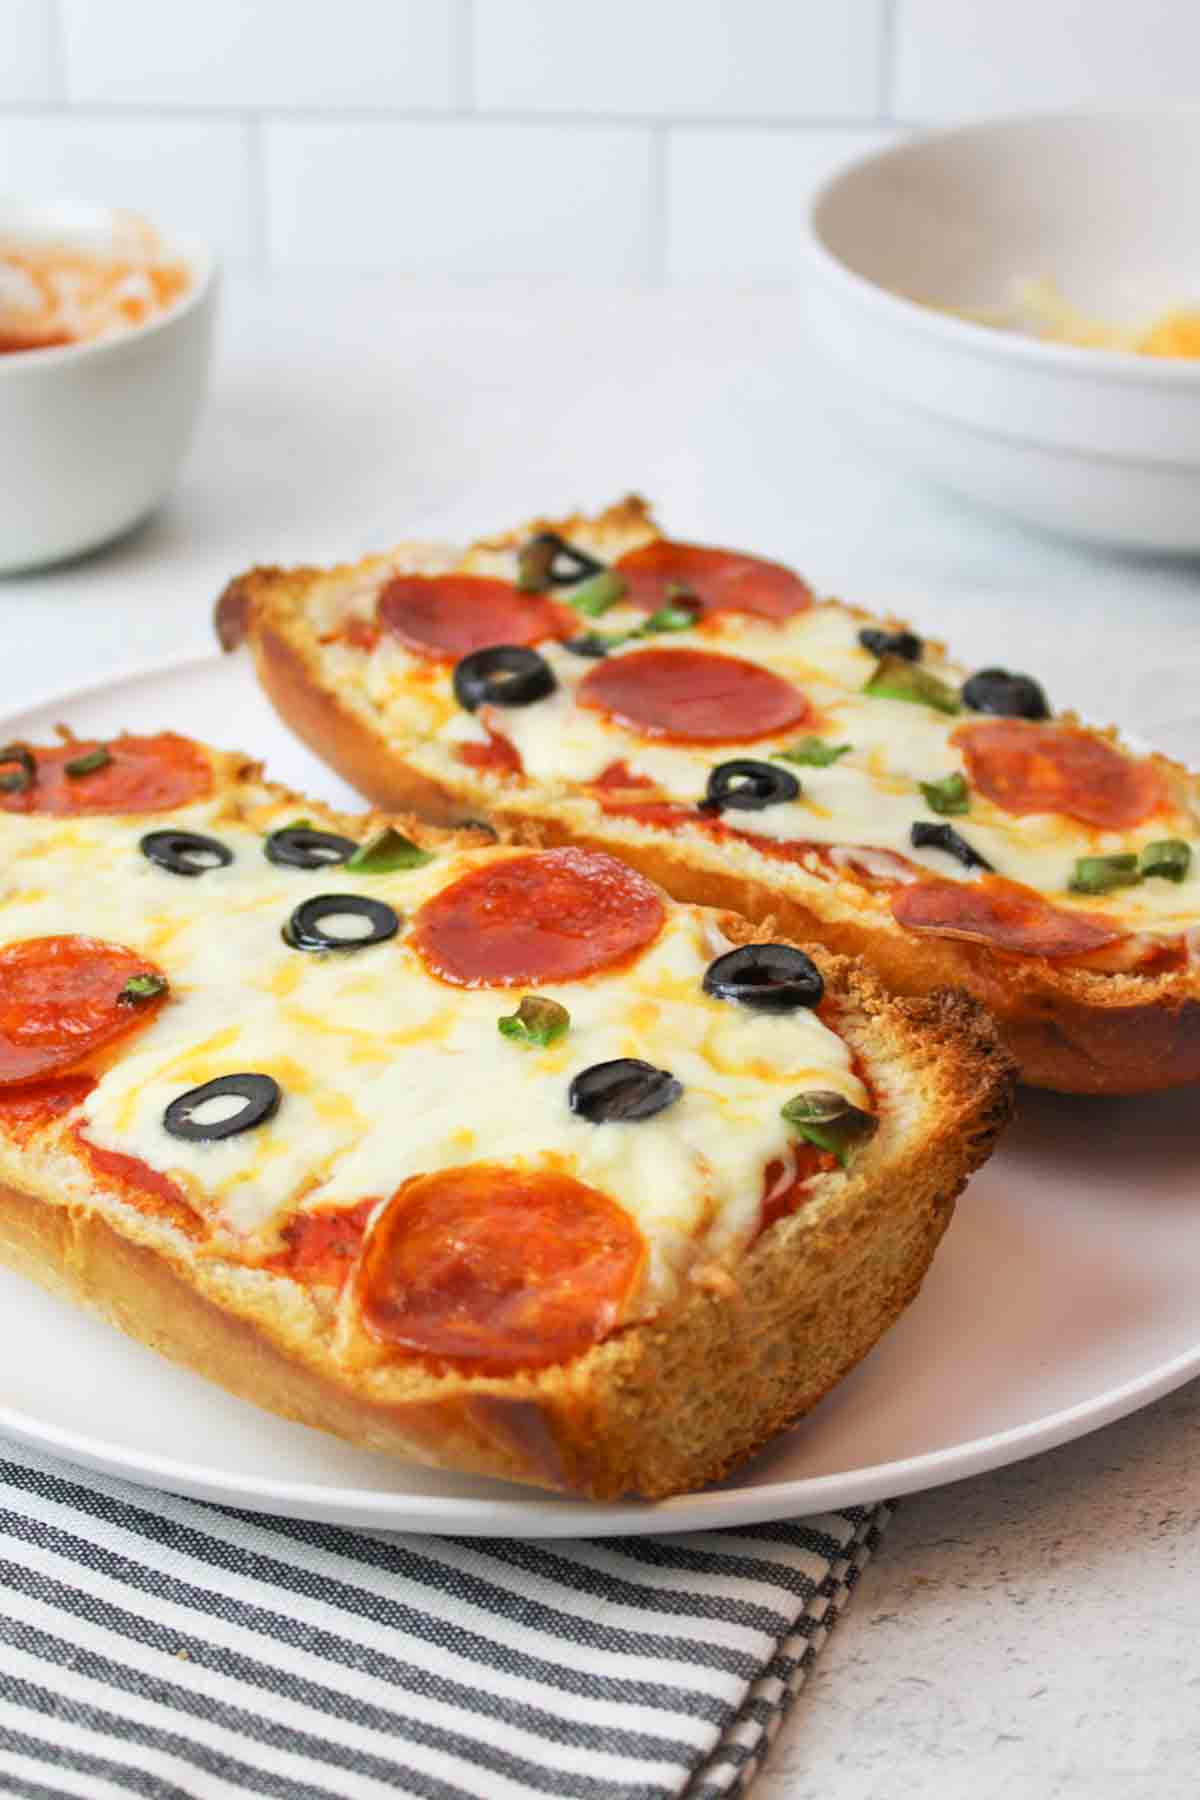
[
  {"x": 321, "y": 717},
  {"x": 1071, "y": 1029},
  {"x": 738, "y": 1358}
]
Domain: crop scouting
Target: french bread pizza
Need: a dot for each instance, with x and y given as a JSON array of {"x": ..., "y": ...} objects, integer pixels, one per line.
[
  {"x": 482, "y": 1154},
  {"x": 697, "y": 712}
]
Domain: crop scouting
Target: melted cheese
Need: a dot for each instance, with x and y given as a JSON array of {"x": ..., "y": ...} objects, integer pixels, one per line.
[
  {"x": 870, "y": 797},
  {"x": 388, "y": 1073}
]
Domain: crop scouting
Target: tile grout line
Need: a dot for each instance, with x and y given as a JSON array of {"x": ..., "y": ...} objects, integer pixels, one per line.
[
  {"x": 660, "y": 222},
  {"x": 256, "y": 187},
  {"x": 101, "y": 111},
  {"x": 56, "y": 44},
  {"x": 467, "y": 61},
  {"x": 886, "y": 73}
]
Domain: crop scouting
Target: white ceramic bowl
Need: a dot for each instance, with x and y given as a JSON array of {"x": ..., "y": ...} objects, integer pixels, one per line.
[
  {"x": 1099, "y": 443},
  {"x": 92, "y": 434}
]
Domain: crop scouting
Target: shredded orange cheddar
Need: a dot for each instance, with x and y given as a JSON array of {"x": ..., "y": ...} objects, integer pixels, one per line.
[
  {"x": 1178, "y": 334},
  {"x": 53, "y": 293},
  {"x": 1040, "y": 310}
]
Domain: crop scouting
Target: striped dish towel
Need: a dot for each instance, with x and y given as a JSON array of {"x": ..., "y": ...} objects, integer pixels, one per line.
[{"x": 165, "y": 1648}]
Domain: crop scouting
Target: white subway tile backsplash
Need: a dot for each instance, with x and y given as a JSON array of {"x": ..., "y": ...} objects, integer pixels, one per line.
[
  {"x": 956, "y": 58},
  {"x": 528, "y": 137},
  {"x": 462, "y": 197},
  {"x": 736, "y": 199},
  {"x": 27, "y": 72},
  {"x": 278, "y": 53},
  {"x": 185, "y": 175},
  {"x": 678, "y": 58}
]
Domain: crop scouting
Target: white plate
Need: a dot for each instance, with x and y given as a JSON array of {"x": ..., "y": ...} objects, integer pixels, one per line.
[{"x": 1067, "y": 1293}]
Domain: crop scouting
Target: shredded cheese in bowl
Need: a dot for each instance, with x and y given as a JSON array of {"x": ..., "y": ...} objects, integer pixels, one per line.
[
  {"x": 1038, "y": 309},
  {"x": 53, "y": 292}
]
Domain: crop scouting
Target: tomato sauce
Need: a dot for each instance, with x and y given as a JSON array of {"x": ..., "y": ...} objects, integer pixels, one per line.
[
  {"x": 620, "y": 777},
  {"x": 778, "y": 1202},
  {"x": 320, "y": 1248},
  {"x": 360, "y": 634},
  {"x": 499, "y": 756},
  {"x": 141, "y": 1186}
]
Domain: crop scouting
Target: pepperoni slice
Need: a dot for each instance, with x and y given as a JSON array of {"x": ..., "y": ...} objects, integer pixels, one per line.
[
  {"x": 1003, "y": 914},
  {"x": 29, "y": 1109},
  {"x": 719, "y": 580},
  {"x": 693, "y": 696},
  {"x": 1030, "y": 768},
  {"x": 498, "y": 1267},
  {"x": 143, "y": 774},
  {"x": 553, "y": 915},
  {"x": 448, "y": 616},
  {"x": 60, "y": 1001}
]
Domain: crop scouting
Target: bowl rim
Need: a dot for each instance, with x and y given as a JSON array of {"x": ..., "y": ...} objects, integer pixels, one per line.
[
  {"x": 200, "y": 256},
  {"x": 1131, "y": 367}
]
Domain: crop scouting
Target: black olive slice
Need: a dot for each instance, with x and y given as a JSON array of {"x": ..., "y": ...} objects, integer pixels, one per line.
[
  {"x": 185, "y": 852},
  {"x": 1010, "y": 696},
  {"x": 24, "y": 773},
  {"x": 300, "y": 847},
  {"x": 502, "y": 675},
  {"x": 304, "y": 930},
  {"x": 259, "y": 1094},
  {"x": 905, "y": 644},
  {"x": 747, "y": 786},
  {"x": 766, "y": 977},
  {"x": 925, "y": 835},
  {"x": 547, "y": 560},
  {"x": 592, "y": 643},
  {"x": 622, "y": 1090}
]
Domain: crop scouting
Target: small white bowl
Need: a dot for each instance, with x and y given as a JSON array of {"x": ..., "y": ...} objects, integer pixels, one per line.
[
  {"x": 92, "y": 434},
  {"x": 1099, "y": 443}
]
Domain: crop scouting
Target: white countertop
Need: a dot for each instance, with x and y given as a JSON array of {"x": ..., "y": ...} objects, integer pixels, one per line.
[{"x": 1028, "y": 1632}]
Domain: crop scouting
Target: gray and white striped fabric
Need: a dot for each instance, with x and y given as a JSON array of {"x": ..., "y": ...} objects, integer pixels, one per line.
[{"x": 155, "y": 1646}]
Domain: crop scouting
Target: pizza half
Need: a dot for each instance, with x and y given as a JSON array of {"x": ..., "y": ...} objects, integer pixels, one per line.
[
  {"x": 698, "y": 712},
  {"x": 487, "y": 1155}
]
